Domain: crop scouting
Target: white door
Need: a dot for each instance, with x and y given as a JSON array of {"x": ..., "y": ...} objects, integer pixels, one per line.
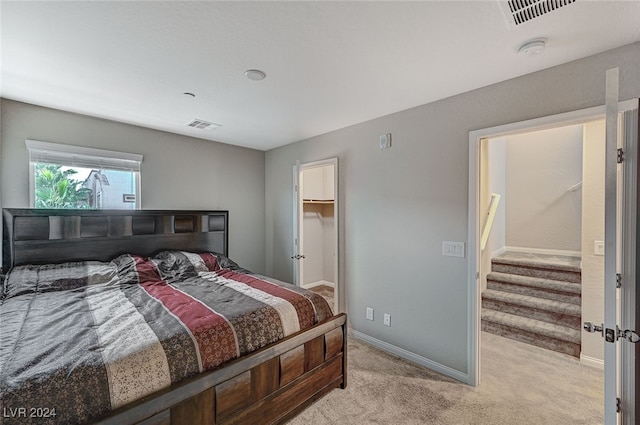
[{"x": 619, "y": 290}]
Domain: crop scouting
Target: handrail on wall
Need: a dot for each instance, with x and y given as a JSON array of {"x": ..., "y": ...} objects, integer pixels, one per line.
[
  {"x": 575, "y": 187},
  {"x": 493, "y": 207}
]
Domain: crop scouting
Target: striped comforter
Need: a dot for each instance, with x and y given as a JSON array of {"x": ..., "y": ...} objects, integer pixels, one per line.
[{"x": 80, "y": 339}]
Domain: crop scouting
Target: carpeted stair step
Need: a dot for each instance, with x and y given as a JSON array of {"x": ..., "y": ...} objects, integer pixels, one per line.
[
  {"x": 534, "y": 332},
  {"x": 540, "y": 309},
  {"x": 536, "y": 287},
  {"x": 562, "y": 268}
]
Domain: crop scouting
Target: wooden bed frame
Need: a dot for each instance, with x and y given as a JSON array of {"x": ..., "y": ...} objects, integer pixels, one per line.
[{"x": 268, "y": 386}]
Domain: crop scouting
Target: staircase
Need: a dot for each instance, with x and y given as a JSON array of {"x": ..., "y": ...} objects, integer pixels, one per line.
[{"x": 535, "y": 298}]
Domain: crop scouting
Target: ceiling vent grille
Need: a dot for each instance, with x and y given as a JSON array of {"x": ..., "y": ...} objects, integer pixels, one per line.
[
  {"x": 203, "y": 125},
  {"x": 521, "y": 11}
]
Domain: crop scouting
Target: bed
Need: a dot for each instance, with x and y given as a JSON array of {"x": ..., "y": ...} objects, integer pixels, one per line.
[{"x": 123, "y": 317}]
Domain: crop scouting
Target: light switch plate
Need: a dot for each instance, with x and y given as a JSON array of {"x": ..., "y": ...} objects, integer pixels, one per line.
[
  {"x": 598, "y": 247},
  {"x": 453, "y": 249}
]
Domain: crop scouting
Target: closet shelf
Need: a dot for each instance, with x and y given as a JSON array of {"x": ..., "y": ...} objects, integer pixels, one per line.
[{"x": 318, "y": 201}]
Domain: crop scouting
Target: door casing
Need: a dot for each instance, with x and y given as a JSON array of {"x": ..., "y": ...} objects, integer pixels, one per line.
[
  {"x": 298, "y": 169},
  {"x": 474, "y": 298}
]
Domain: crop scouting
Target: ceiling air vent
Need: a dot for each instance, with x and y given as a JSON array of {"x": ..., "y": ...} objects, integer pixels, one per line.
[
  {"x": 203, "y": 125},
  {"x": 521, "y": 11}
]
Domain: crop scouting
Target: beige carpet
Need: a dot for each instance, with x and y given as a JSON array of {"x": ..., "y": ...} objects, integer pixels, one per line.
[
  {"x": 326, "y": 291},
  {"x": 521, "y": 385}
]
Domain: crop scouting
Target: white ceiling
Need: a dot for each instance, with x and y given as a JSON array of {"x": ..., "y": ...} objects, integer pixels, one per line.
[{"x": 328, "y": 64}]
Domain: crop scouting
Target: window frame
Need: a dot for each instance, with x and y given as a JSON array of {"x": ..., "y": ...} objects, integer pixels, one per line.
[{"x": 81, "y": 156}]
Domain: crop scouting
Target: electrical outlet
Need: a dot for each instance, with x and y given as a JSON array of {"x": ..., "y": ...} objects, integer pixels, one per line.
[
  {"x": 369, "y": 313},
  {"x": 387, "y": 319}
]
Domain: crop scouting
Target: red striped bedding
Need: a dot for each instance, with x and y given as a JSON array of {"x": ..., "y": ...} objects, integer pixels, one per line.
[{"x": 80, "y": 339}]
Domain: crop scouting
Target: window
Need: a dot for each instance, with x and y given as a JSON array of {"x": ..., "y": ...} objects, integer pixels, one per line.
[{"x": 65, "y": 176}]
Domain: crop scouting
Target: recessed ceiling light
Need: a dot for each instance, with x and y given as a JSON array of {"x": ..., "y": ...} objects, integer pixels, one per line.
[
  {"x": 255, "y": 74},
  {"x": 533, "y": 47}
]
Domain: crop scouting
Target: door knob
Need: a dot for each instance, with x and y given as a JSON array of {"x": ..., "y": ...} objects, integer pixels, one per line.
[
  {"x": 629, "y": 335},
  {"x": 591, "y": 328}
]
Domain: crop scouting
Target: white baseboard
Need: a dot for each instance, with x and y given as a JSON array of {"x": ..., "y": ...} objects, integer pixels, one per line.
[
  {"x": 319, "y": 283},
  {"x": 412, "y": 357},
  {"x": 591, "y": 362},
  {"x": 565, "y": 253},
  {"x": 499, "y": 251}
]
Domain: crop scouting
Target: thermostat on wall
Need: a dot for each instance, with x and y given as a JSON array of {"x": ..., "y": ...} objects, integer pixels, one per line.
[{"x": 385, "y": 141}]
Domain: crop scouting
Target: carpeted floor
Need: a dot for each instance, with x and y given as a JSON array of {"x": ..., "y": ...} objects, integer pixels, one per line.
[
  {"x": 521, "y": 385},
  {"x": 326, "y": 291}
]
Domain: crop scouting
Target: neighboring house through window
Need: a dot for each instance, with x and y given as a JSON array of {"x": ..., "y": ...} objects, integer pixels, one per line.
[{"x": 66, "y": 176}]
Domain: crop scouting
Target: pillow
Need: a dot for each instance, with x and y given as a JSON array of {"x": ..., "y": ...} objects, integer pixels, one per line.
[
  {"x": 195, "y": 262},
  {"x": 57, "y": 277}
]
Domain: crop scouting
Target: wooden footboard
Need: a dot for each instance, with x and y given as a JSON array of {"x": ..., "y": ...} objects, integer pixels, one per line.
[{"x": 266, "y": 387}]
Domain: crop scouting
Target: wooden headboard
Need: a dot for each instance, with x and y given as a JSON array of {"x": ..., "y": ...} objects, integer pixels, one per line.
[{"x": 41, "y": 236}]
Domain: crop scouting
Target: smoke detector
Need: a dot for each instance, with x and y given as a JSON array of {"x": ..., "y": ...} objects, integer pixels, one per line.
[
  {"x": 203, "y": 125},
  {"x": 533, "y": 47}
]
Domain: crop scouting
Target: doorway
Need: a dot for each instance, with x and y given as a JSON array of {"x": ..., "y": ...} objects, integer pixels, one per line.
[
  {"x": 316, "y": 228},
  {"x": 537, "y": 277},
  {"x": 475, "y": 223},
  {"x": 539, "y": 274}
]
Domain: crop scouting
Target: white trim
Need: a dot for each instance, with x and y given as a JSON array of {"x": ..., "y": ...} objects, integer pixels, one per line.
[
  {"x": 591, "y": 362},
  {"x": 560, "y": 252},
  {"x": 412, "y": 357},
  {"x": 629, "y": 262},
  {"x": 298, "y": 168},
  {"x": 83, "y": 157},
  {"x": 296, "y": 223},
  {"x": 319, "y": 283},
  {"x": 473, "y": 299},
  {"x": 80, "y": 150}
]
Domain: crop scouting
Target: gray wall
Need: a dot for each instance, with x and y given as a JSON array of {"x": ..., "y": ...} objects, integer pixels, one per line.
[
  {"x": 540, "y": 168},
  {"x": 398, "y": 205},
  {"x": 178, "y": 172}
]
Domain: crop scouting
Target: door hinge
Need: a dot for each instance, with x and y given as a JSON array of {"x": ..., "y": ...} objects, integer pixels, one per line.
[
  {"x": 618, "y": 280},
  {"x": 620, "y": 156},
  {"x": 618, "y": 405}
]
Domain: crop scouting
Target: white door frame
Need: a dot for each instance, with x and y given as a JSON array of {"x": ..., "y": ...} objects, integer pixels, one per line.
[
  {"x": 297, "y": 224},
  {"x": 474, "y": 298}
]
